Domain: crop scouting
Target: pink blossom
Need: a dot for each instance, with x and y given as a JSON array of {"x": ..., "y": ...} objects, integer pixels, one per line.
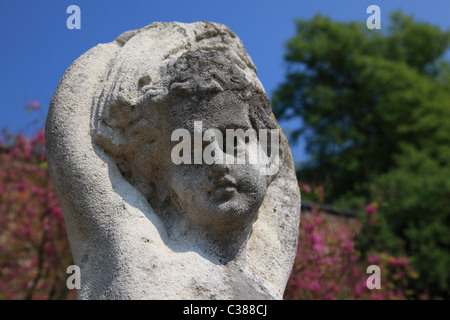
[
  {"x": 308, "y": 228},
  {"x": 314, "y": 286},
  {"x": 39, "y": 137},
  {"x": 318, "y": 220},
  {"x": 370, "y": 209},
  {"x": 25, "y": 229},
  {"x": 348, "y": 246},
  {"x": 316, "y": 238},
  {"x": 37, "y": 190},
  {"x": 305, "y": 187},
  {"x": 358, "y": 290},
  {"x": 34, "y": 105},
  {"x": 403, "y": 261},
  {"x": 329, "y": 296},
  {"x": 309, "y": 274},
  {"x": 376, "y": 295},
  {"x": 317, "y": 242},
  {"x": 300, "y": 283},
  {"x": 46, "y": 226},
  {"x": 20, "y": 186},
  {"x": 355, "y": 272},
  {"x": 393, "y": 261},
  {"x": 48, "y": 249},
  {"x": 374, "y": 259},
  {"x": 15, "y": 152},
  {"x": 57, "y": 212},
  {"x": 399, "y": 261},
  {"x": 319, "y": 247},
  {"x": 330, "y": 261}
]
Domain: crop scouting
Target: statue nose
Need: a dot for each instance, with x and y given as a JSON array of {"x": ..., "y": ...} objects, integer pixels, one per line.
[{"x": 217, "y": 170}]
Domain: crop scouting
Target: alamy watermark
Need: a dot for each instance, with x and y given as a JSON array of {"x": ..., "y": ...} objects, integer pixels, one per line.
[
  {"x": 74, "y": 280},
  {"x": 238, "y": 147},
  {"x": 374, "y": 21},
  {"x": 74, "y": 20},
  {"x": 374, "y": 280}
]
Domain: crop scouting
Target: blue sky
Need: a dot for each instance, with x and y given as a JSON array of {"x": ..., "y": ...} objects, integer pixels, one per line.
[{"x": 37, "y": 47}]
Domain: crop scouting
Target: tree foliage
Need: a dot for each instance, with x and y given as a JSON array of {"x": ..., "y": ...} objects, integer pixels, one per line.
[
  {"x": 414, "y": 198},
  {"x": 360, "y": 94},
  {"x": 374, "y": 110}
]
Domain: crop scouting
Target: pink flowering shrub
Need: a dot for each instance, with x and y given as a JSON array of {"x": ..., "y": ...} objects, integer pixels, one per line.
[
  {"x": 325, "y": 265},
  {"x": 396, "y": 275},
  {"x": 315, "y": 193},
  {"x": 34, "y": 251},
  {"x": 328, "y": 266}
]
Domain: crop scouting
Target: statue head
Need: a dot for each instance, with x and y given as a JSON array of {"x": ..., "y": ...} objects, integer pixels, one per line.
[{"x": 205, "y": 96}]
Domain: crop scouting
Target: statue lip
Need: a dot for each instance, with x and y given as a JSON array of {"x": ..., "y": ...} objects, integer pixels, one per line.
[{"x": 224, "y": 184}]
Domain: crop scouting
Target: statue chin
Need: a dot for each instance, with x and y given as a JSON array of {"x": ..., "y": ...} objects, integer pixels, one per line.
[{"x": 222, "y": 209}]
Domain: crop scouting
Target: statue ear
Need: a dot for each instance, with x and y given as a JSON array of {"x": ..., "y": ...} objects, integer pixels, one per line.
[{"x": 120, "y": 128}]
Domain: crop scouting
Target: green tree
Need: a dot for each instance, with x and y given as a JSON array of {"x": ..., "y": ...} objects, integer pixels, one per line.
[
  {"x": 414, "y": 199},
  {"x": 375, "y": 112},
  {"x": 361, "y": 93}
]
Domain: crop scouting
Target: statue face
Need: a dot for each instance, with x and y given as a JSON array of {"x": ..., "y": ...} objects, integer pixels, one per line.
[
  {"x": 219, "y": 196},
  {"x": 201, "y": 87}
]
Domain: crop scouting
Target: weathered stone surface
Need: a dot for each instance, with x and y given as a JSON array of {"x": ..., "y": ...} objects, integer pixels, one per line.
[{"x": 140, "y": 226}]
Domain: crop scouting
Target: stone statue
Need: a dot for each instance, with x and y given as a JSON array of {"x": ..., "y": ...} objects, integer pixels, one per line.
[{"x": 143, "y": 224}]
